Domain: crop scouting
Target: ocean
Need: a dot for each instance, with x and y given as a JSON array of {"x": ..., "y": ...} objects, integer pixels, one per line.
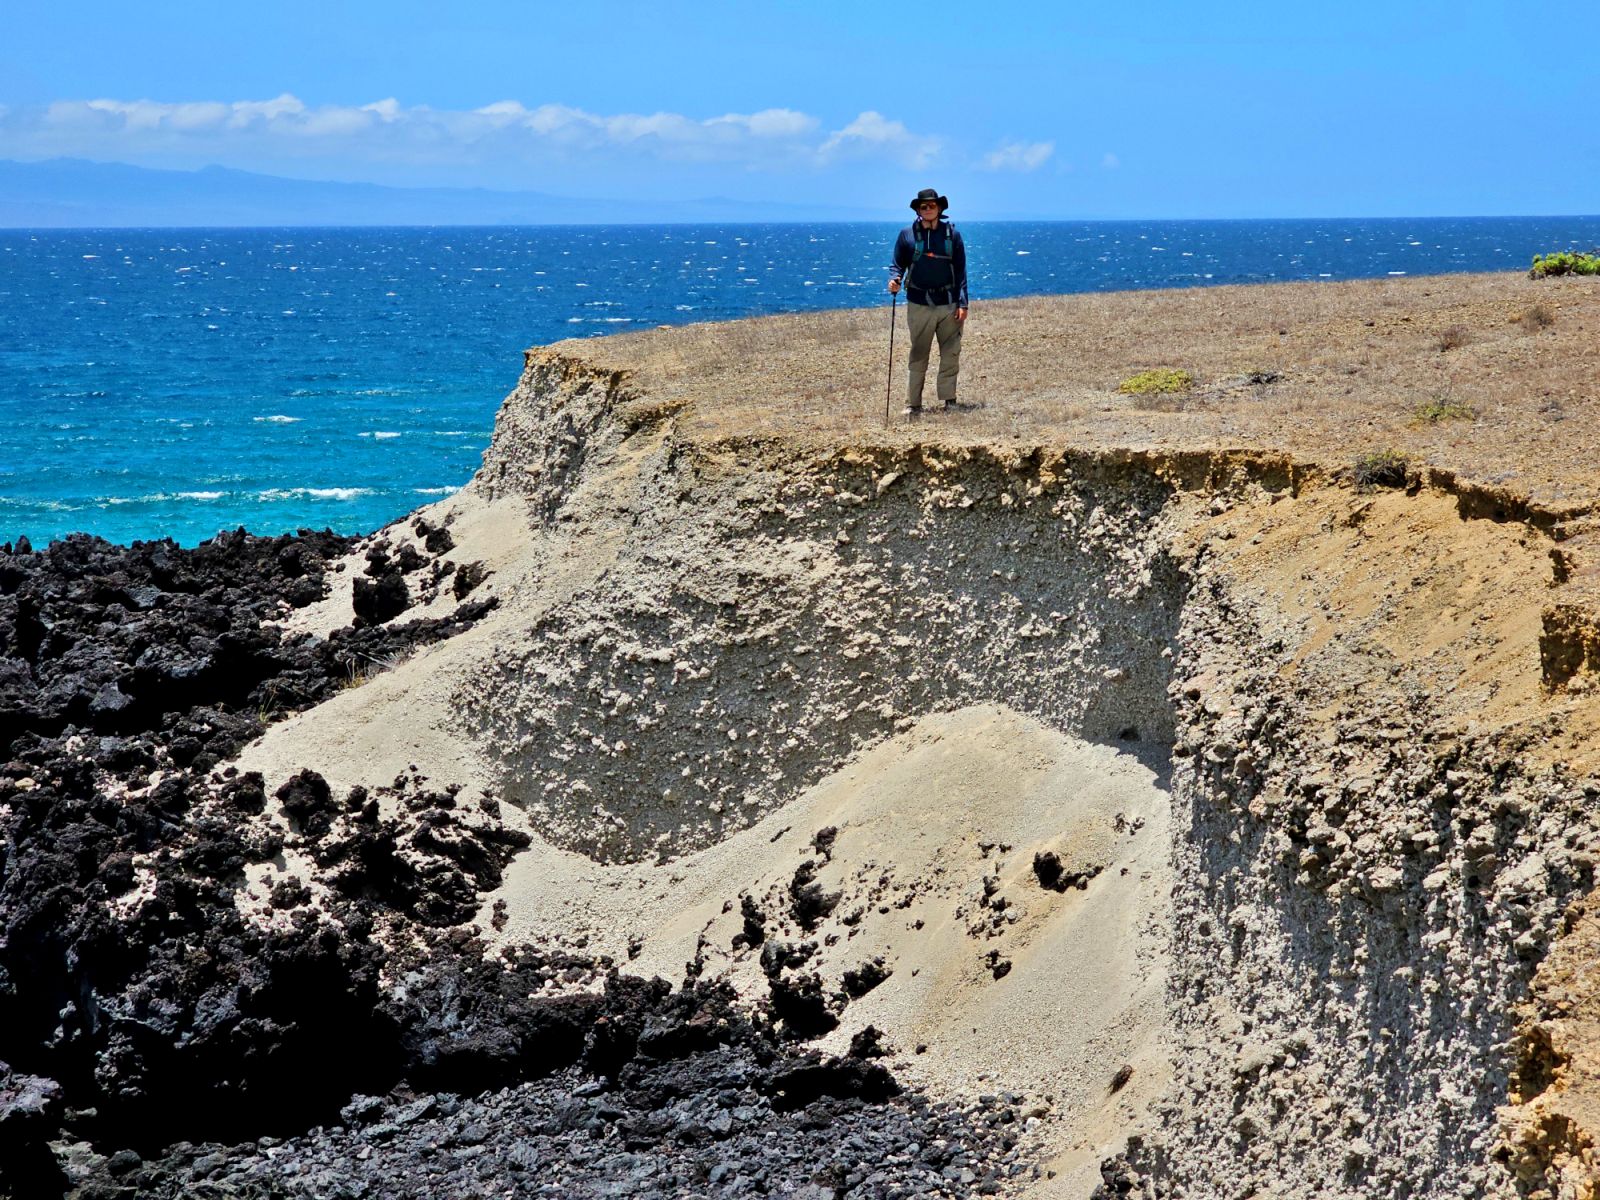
[{"x": 173, "y": 383}]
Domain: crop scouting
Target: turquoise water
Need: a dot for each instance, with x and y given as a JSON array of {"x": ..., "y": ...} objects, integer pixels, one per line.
[{"x": 174, "y": 383}]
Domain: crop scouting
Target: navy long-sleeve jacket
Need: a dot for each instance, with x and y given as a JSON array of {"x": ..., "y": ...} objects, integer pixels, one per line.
[{"x": 934, "y": 278}]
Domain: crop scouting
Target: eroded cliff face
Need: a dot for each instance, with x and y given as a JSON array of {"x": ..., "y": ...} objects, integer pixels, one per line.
[
  {"x": 1380, "y": 808},
  {"x": 760, "y": 618},
  {"x": 1375, "y": 846}
]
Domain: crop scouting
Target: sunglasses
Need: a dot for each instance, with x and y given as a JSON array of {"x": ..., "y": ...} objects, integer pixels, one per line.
[{"x": 921, "y": 206}]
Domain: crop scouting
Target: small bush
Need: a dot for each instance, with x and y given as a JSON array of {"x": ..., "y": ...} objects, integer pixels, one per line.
[
  {"x": 1453, "y": 338},
  {"x": 1163, "y": 381},
  {"x": 1536, "y": 317},
  {"x": 1442, "y": 408},
  {"x": 362, "y": 668},
  {"x": 1381, "y": 469},
  {"x": 1564, "y": 262}
]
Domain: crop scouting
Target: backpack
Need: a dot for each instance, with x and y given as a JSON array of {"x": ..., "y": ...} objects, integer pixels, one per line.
[
  {"x": 921, "y": 243},
  {"x": 924, "y": 243}
]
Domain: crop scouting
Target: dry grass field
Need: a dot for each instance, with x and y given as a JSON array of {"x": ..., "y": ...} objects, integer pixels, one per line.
[{"x": 1494, "y": 377}]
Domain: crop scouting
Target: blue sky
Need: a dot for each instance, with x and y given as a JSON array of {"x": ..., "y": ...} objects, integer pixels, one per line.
[{"x": 1134, "y": 109}]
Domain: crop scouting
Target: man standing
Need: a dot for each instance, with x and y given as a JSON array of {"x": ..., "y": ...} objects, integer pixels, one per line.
[{"x": 931, "y": 259}]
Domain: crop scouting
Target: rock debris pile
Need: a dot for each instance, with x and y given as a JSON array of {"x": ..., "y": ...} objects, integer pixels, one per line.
[
  {"x": 704, "y": 1105},
  {"x": 168, "y": 1030}
]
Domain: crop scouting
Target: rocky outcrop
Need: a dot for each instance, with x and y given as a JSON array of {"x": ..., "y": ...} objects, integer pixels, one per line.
[{"x": 137, "y": 998}]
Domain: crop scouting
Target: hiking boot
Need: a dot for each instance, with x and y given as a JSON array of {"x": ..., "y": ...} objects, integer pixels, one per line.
[
  {"x": 911, "y": 412},
  {"x": 957, "y": 406}
]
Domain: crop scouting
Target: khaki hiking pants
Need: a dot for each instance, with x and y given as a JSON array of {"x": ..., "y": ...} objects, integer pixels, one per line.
[{"x": 926, "y": 321}]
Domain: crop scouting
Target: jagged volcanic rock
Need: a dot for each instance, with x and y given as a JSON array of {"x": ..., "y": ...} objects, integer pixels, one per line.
[{"x": 162, "y": 1041}]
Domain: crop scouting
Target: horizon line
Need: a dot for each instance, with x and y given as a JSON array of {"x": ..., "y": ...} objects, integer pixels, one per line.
[{"x": 691, "y": 222}]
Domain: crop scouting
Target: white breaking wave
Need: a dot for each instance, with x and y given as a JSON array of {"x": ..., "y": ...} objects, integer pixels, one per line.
[
  {"x": 160, "y": 497},
  {"x": 380, "y": 434},
  {"x": 279, "y": 419},
  {"x": 439, "y": 491},
  {"x": 346, "y": 493}
]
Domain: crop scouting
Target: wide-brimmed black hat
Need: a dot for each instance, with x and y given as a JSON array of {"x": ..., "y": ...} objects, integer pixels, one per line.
[{"x": 931, "y": 194}]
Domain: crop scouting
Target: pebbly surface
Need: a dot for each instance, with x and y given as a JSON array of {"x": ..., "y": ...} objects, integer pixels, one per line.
[{"x": 161, "y": 1037}]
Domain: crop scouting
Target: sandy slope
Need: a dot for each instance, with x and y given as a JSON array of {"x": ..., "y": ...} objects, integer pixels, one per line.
[{"x": 923, "y": 821}]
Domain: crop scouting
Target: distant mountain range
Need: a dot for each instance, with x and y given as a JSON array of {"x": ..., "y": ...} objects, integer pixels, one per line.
[{"x": 74, "y": 193}]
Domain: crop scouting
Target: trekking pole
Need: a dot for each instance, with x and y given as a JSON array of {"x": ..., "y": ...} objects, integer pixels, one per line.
[{"x": 888, "y": 387}]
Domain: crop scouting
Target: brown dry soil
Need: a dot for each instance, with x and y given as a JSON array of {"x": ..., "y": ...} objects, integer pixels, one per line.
[
  {"x": 1352, "y": 365},
  {"x": 1488, "y": 386}
]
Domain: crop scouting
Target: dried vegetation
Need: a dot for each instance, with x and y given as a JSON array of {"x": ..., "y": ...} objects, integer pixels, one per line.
[
  {"x": 1536, "y": 318},
  {"x": 1314, "y": 369},
  {"x": 1380, "y": 469}
]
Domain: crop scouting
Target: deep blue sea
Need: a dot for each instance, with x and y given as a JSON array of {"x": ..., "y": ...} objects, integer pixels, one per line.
[{"x": 177, "y": 382}]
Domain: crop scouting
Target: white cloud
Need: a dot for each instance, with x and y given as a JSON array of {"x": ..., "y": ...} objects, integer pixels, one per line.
[
  {"x": 244, "y": 131},
  {"x": 1018, "y": 156},
  {"x": 872, "y": 133},
  {"x": 668, "y": 127},
  {"x": 574, "y": 126},
  {"x": 284, "y": 106},
  {"x": 770, "y": 122},
  {"x": 503, "y": 111},
  {"x": 197, "y": 116},
  {"x": 385, "y": 110},
  {"x": 136, "y": 116},
  {"x": 326, "y": 122}
]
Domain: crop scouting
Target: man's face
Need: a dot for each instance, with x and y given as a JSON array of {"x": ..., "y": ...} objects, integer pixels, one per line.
[{"x": 928, "y": 210}]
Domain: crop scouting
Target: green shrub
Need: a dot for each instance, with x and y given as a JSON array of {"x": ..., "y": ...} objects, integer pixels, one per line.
[
  {"x": 1381, "y": 469},
  {"x": 1565, "y": 262},
  {"x": 1442, "y": 408},
  {"x": 1160, "y": 382}
]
